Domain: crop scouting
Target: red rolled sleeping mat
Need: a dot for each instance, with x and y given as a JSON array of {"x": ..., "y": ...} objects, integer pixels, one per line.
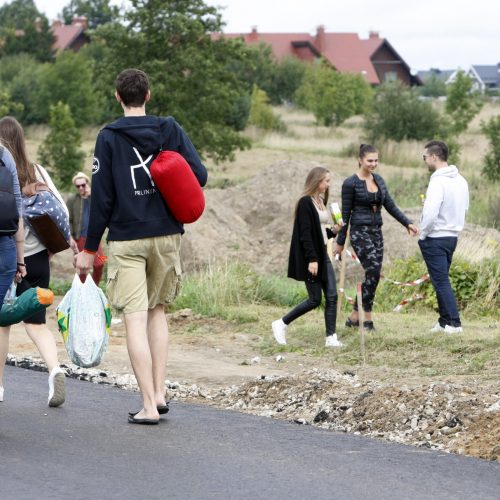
[{"x": 179, "y": 186}]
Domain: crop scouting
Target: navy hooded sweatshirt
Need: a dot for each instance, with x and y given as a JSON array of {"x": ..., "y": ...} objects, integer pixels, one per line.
[{"x": 124, "y": 196}]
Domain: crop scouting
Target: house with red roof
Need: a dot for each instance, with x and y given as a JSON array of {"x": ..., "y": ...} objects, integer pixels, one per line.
[
  {"x": 70, "y": 36},
  {"x": 373, "y": 57}
]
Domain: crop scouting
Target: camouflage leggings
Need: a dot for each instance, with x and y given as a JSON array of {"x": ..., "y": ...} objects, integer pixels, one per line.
[{"x": 368, "y": 243}]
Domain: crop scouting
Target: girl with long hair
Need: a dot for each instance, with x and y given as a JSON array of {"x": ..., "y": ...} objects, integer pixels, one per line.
[
  {"x": 309, "y": 260},
  {"x": 36, "y": 259}
]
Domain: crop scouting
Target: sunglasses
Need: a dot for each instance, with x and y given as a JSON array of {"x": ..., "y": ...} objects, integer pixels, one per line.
[{"x": 80, "y": 185}]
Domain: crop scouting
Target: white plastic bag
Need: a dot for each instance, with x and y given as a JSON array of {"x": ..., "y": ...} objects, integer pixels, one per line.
[
  {"x": 84, "y": 320},
  {"x": 10, "y": 296}
]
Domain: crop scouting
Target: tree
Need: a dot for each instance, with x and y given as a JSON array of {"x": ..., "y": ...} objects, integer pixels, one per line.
[
  {"x": 70, "y": 80},
  {"x": 462, "y": 104},
  {"x": 97, "y": 12},
  {"x": 287, "y": 76},
  {"x": 433, "y": 87},
  {"x": 23, "y": 29},
  {"x": 190, "y": 72},
  {"x": 261, "y": 113},
  {"x": 491, "y": 130},
  {"x": 60, "y": 148},
  {"x": 332, "y": 96},
  {"x": 21, "y": 75},
  {"x": 7, "y": 106},
  {"x": 399, "y": 114}
]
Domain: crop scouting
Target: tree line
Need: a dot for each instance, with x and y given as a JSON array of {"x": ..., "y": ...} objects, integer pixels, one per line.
[{"x": 214, "y": 86}]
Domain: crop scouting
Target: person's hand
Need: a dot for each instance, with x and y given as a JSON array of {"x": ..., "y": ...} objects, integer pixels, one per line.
[
  {"x": 336, "y": 228},
  {"x": 84, "y": 262},
  {"x": 338, "y": 251},
  {"x": 313, "y": 268},
  {"x": 413, "y": 230},
  {"x": 21, "y": 272},
  {"x": 73, "y": 245}
]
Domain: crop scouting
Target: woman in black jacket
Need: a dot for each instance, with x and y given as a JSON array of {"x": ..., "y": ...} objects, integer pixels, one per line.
[
  {"x": 363, "y": 195},
  {"x": 309, "y": 260}
]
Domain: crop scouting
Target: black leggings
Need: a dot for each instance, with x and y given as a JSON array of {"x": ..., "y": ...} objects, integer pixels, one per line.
[
  {"x": 314, "y": 288},
  {"x": 368, "y": 243}
]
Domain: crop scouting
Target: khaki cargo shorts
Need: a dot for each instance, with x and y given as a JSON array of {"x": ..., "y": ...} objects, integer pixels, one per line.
[{"x": 143, "y": 273}]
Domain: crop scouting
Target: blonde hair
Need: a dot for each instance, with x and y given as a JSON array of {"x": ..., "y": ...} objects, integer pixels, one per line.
[
  {"x": 80, "y": 175},
  {"x": 313, "y": 179}
]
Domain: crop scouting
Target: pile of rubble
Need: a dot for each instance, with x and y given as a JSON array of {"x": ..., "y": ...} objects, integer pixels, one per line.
[{"x": 446, "y": 416}]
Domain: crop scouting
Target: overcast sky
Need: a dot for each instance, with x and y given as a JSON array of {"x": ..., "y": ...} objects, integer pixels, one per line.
[{"x": 444, "y": 34}]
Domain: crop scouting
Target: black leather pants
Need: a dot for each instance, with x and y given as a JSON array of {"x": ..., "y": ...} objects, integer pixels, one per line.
[{"x": 314, "y": 288}]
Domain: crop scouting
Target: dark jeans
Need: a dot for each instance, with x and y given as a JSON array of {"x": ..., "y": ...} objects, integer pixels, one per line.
[
  {"x": 438, "y": 253},
  {"x": 314, "y": 288},
  {"x": 8, "y": 266}
]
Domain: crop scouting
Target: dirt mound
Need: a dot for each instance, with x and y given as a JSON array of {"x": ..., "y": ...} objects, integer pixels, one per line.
[
  {"x": 464, "y": 419},
  {"x": 252, "y": 222}
]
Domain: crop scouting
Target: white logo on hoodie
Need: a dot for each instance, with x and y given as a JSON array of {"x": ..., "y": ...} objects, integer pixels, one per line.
[{"x": 142, "y": 164}]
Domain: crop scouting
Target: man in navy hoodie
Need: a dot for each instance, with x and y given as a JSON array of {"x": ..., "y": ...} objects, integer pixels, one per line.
[{"x": 144, "y": 238}]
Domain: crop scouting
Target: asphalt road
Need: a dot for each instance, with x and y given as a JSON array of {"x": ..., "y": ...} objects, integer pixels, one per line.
[{"x": 87, "y": 450}]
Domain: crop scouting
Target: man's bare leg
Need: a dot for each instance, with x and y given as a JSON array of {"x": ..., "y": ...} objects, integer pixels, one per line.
[
  {"x": 158, "y": 344},
  {"x": 141, "y": 360}
]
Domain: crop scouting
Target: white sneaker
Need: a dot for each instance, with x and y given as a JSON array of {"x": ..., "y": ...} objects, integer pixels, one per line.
[
  {"x": 1, "y": 393},
  {"x": 437, "y": 328},
  {"x": 57, "y": 391},
  {"x": 279, "y": 331},
  {"x": 453, "y": 329},
  {"x": 333, "y": 341}
]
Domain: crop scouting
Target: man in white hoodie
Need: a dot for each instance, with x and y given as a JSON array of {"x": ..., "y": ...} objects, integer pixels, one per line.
[{"x": 443, "y": 217}]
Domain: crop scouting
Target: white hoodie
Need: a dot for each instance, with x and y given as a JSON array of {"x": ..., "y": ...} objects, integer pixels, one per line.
[{"x": 446, "y": 202}]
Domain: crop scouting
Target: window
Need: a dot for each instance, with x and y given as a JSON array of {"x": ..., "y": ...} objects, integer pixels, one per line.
[{"x": 390, "y": 76}]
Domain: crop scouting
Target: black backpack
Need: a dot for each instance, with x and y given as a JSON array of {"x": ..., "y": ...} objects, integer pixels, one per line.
[{"x": 9, "y": 216}]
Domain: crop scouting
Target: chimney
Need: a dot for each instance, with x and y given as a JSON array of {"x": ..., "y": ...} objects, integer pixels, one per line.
[
  {"x": 253, "y": 37},
  {"x": 57, "y": 23},
  {"x": 320, "y": 38},
  {"x": 373, "y": 34},
  {"x": 80, "y": 20}
]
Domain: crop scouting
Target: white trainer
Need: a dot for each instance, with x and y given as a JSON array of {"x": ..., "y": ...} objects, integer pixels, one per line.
[
  {"x": 453, "y": 329},
  {"x": 1, "y": 393},
  {"x": 333, "y": 341},
  {"x": 57, "y": 390},
  {"x": 279, "y": 331},
  {"x": 437, "y": 328}
]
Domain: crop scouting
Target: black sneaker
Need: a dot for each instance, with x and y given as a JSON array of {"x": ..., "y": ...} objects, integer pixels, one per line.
[
  {"x": 351, "y": 324},
  {"x": 368, "y": 325}
]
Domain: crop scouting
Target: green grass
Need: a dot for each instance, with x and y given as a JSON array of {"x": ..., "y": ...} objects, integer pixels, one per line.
[{"x": 401, "y": 344}]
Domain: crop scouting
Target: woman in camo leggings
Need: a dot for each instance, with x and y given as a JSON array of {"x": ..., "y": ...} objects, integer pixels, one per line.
[{"x": 363, "y": 196}]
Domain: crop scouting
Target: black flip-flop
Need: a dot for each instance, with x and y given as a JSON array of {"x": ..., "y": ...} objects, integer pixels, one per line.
[
  {"x": 142, "y": 421},
  {"x": 162, "y": 410}
]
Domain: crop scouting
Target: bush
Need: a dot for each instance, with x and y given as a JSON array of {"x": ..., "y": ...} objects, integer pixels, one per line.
[
  {"x": 399, "y": 114},
  {"x": 476, "y": 286},
  {"x": 491, "y": 168},
  {"x": 332, "y": 96},
  {"x": 261, "y": 112},
  {"x": 60, "y": 148}
]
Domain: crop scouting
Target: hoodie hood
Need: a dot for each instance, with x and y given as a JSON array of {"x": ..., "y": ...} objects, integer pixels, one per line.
[
  {"x": 449, "y": 171},
  {"x": 142, "y": 132}
]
